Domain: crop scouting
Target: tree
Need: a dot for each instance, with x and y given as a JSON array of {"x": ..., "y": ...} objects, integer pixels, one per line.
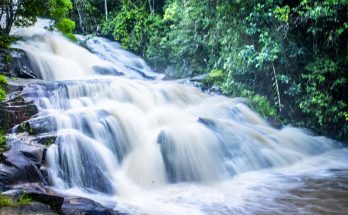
[
  {"x": 19, "y": 12},
  {"x": 59, "y": 10}
]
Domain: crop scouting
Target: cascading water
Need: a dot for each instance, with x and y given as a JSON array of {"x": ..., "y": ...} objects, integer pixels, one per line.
[{"x": 157, "y": 147}]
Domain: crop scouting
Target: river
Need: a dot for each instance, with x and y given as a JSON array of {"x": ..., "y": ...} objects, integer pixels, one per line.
[{"x": 142, "y": 145}]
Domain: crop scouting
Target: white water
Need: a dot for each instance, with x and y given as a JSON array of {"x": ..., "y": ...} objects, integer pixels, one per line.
[{"x": 156, "y": 147}]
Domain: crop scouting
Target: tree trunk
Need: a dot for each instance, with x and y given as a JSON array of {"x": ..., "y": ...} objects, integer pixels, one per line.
[
  {"x": 277, "y": 88},
  {"x": 151, "y": 6},
  {"x": 106, "y": 9},
  {"x": 80, "y": 16}
]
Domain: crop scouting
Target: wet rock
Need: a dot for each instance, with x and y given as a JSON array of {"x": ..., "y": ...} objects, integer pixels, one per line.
[
  {"x": 106, "y": 71},
  {"x": 62, "y": 204},
  {"x": 15, "y": 111},
  {"x": 82, "y": 206},
  {"x": 36, "y": 192},
  {"x": 28, "y": 172},
  {"x": 38, "y": 125},
  {"x": 38, "y": 195},
  {"x": 55, "y": 202},
  {"x": 44, "y": 173},
  {"x": 33, "y": 152},
  {"x": 21, "y": 163},
  {"x": 26, "y": 188},
  {"x": 15, "y": 63},
  {"x": 47, "y": 139},
  {"x": 12, "y": 114},
  {"x": 207, "y": 122},
  {"x": 140, "y": 72},
  {"x": 215, "y": 90}
]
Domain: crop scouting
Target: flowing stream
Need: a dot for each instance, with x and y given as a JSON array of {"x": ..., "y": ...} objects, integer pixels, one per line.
[{"x": 129, "y": 140}]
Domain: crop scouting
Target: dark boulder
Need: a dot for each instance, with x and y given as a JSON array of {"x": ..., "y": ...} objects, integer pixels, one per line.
[
  {"x": 37, "y": 193},
  {"x": 21, "y": 163},
  {"x": 15, "y": 111},
  {"x": 60, "y": 203},
  {"x": 15, "y": 63}
]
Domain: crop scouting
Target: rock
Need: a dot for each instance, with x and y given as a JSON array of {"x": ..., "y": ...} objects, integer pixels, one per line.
[
  {"x": 82, "y": 206},
  {"x": 34, "y": 208},
  {"x": 38, "y": 125},
  {"x": 55, "y": 202},
  {"x": 44, "y": 173},
  {"x": 215, "y": 90},
  {"x": 207, "y": 122},
  {"x": 13, "y": 114},
  {"x": 15, "y": 63},
  {"x": 46, "y": 139},
  {"x": 21, "y": 163},
  {"x": 37, "y": 193},
  {"x": 62, "y": 204},
  {"x": 15, "y": 111},
  {"x": 20, "y": 189},
  {"x": 106, "y": 71}
]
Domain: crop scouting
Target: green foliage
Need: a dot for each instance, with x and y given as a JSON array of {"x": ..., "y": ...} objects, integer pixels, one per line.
[
  {"x": 215, "y": 76},
  {"x": 5, "y": 202},
  {"x": 2, "y": 95},
  {"x": 323, "y": 77},
  {"x": 6, "y": 41},
  {"x": 59, "y": 10},
  {"x": 3, "y": 145},
  {"x": 86, "y": 15},
  {"x": 129, "y": 27},
  {"x": 19, "y": 13},
  {"x": 25, "y": 13},
  {"x": 3, "y": 86},
  {"x": 66, "y": 26},
  {"x": 282, "y": 13},
  {"x": 25, "y": 127},
  {"x": 132, "y": 26},
  {"x": 3, "y": 82},
  {"x": 22, "y": 200}
]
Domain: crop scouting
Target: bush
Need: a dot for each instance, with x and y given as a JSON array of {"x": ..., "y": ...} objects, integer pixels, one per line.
[
  {"x": 216, "y": 76},
  {"x": 6, "y": 41},
  {"x": 66, "y": 26},
  {"x": 3, "y": 85},
  {"x": 59, "y": 10},
  {"x": 22, "y": 200},
  {"x": 5, "y": 202},
  {"x": 256, "y": 101},
  {"x": 133, "y": 27}
]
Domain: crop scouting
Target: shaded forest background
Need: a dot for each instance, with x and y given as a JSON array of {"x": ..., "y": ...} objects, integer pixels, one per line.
[{"x": 289, "y": 58}]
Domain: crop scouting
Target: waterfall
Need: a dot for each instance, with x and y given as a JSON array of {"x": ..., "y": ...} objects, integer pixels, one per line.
[{"x": 122, "y": 131}]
